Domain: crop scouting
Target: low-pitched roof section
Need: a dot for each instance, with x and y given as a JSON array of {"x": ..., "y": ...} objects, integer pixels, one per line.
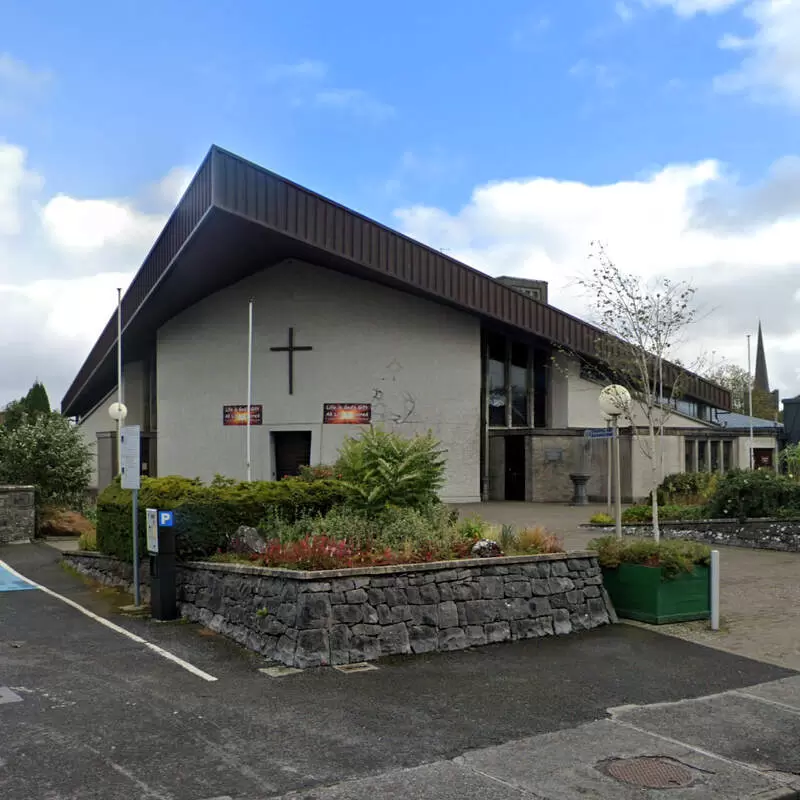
[{"x": 237, "y": 218}]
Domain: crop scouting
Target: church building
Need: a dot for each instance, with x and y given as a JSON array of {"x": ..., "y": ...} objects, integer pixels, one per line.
[{"x": 355, "y": 324}]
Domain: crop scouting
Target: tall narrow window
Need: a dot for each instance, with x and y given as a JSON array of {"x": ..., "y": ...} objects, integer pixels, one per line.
[
  {"x": 541, "y": 362},
  {"x": 702, "y": 456},
  {"x": 727, "y": 452},
  {"x": 688, "y": 456},
  {"x": 497, "y": 381},
  {"x": 715, "y": 447},
  {"x": 518, "y": 380}
]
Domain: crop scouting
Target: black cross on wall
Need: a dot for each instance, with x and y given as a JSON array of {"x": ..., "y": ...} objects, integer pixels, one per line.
[{"x": 291, "y": 350}]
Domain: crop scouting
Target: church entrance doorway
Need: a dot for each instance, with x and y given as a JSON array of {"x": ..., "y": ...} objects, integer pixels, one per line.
[
  {"x": 515, "y": 468},
  {"x": 291, "y": 450}
]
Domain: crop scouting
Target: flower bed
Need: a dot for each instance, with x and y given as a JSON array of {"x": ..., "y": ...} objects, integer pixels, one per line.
[{"x": 305, "y": 618}]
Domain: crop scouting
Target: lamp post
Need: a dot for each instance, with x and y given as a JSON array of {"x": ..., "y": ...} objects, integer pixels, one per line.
[
  {"x": 615, "y": 400},
  {"x": 118, "y": 412}
]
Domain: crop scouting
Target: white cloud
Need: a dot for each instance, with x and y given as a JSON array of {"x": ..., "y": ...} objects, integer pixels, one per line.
[
  {"x": 19, "y": 83},
  {"x": 672, "y": 221},
  {"x": 688, "y": 8},
  {"x": 770, "y": 69},
  {"x": 61, "y": 259},
  {"x": 301, "y": 70},
  {"x": 355, "y": 101},
  {"x": 623, "y": 11}
]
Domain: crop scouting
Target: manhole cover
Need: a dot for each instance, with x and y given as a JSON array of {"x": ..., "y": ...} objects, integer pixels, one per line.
[{"x": 649, "y": 772}]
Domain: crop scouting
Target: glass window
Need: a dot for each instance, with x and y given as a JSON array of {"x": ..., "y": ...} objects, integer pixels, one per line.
[
  {"x": 497, "y": 381},
  {"x": 702, "y": 461},
  {"x": 727, "y": 453},
  {"x": 688, "y": 455},
  {"x": 714, "y": 455},
  {"x": 518, "y": 380},
  {"x": 541, "y": 361}
]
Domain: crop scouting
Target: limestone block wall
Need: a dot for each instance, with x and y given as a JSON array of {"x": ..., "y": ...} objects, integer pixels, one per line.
[{"x": 17, "y": 514}]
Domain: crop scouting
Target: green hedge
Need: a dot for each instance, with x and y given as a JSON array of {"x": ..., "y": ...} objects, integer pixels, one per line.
[
  {"x": 644, "y": 513},
  {"x": 206, "y": 515},
  {"x": 743, "y": 494}
]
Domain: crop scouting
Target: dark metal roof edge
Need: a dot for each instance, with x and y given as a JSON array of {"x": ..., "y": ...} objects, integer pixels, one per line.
[{"x": 66, "y": 406}]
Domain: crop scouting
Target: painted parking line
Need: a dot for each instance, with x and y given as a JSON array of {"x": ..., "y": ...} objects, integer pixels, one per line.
[
  {"x": 10, "y": 582},
  {"x": 108, "y": 624}
]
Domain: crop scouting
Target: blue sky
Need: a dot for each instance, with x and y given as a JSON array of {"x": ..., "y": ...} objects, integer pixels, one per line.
[{"x": 405, "y": 111}]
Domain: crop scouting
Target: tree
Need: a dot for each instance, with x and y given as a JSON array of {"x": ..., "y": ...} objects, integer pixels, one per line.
[
  {"x": 35, "y": 402},
  {"x": 49, "y": 452},
  {"x": 737, "y": 381},
  {"x": 642, "y": 324}
]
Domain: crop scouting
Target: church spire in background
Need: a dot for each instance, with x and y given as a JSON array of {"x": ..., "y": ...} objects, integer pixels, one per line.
[{"x": 761, "y": 380}]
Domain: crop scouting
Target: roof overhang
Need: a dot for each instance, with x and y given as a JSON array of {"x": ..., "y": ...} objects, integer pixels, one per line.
[{"x": 236, "y": 219}]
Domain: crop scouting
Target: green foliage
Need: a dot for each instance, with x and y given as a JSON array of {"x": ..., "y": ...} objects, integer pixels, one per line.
[
  {"x": 742, "y": 494},
  {"x": 673, "y": 556},
  {"x": 383, "y": 469},
  {"x": 644, "y": 514},
  {"x": 206, "y": 515},
  {"x": 687, "y": 488},
  {"x": 33, "y": 404},
  {"x": 601, "y": 519},
  {"x": 49, "y": 452},
  {"x": 790, "y": 459},
  {"x": 88, "y": 541}
]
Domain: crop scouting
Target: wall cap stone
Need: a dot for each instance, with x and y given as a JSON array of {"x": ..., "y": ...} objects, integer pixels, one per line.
[
  {"x": 389, "y": 569},
  {"x": 11, "y": 488},
  {"x": 693, "y": 523}
]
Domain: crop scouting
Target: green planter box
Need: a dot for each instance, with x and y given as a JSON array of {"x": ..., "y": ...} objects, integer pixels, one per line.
[{"x": 640, "y": 592}]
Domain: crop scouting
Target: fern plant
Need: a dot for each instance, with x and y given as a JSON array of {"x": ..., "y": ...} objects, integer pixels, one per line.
[{"x": 382, "y": 469}]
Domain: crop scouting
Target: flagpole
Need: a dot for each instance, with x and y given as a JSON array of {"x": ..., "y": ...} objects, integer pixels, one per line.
[
  {"x": 119, "y": 379},
  {"x": 750, "y": 399},
  {"x": 249, "y": 382}
]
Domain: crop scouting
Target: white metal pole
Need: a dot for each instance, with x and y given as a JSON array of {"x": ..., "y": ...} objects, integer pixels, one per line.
[
  {"x": 119, "y": 379},
  {"x": 617, "y": 479},
  {"x": 608, "y": 470},
  {"x": 249, "y": 382},
  {"x": 715, "y": 590},
  {"x": 137, "y": 592},
  {"x": 750, "y": 399}
]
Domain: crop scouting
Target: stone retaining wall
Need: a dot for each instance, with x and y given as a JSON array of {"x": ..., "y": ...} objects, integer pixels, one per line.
[
  {"x": 762, "y": 534},
  {"x": 110, "y": 571},
  {"x": 308, "y": 619},
  {"x": 17, "y": 514}
]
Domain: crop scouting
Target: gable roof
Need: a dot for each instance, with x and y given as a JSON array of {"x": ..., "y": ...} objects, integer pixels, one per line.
[{"x": 237, "y": 218}]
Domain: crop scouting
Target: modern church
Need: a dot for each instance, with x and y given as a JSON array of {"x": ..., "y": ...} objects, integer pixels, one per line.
[{"x": 354, "y": 325}]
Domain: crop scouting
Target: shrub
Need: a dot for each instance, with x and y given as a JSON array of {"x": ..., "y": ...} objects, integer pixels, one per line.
[
  {"x": 760, "y": 493},
  {"x": 601, "y": 519},
  {"x": 382, "y": 469},
  {"x": 532, "y": 541},
  {"x": 88, "y": 541},
  {"x": 206, "y": 515},
  {"x": 47, "y": 451},
  {"x": 673, "y": 556},
  {"x": 644, "y": 514},
  {"x": 318, "y": 472},
  {"x": 687, "y": 488}
]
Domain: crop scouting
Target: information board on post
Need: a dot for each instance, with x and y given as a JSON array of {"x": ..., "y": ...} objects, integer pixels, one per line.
[
  {"x": 130, "y": 460},
  {"x": 152, "y": 531}
]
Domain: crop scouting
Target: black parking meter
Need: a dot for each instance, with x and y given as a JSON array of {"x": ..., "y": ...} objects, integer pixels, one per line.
[{"x": 163, "y": 600}]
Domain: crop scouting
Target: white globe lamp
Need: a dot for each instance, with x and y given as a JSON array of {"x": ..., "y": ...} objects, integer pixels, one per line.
[
  {"x": 118, "y": 411},
  {"x": 614, "y": 400}
]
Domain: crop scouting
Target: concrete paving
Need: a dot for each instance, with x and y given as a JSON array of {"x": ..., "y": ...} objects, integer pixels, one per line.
[
  {"x": 759, "y": 592},
  {"x": 101, "y": 716}
]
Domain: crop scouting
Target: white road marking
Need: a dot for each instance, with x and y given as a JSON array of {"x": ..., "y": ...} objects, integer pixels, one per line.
[
  {"x": 7, "y": 696},
  {"x": 108, "y": 624}
]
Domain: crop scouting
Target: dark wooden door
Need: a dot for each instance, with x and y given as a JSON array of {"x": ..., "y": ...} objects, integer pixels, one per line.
[
  {"x": 292, "y": 450},
  {"x": 763, "y": 458},
  {"x": 515, "y": 467}
]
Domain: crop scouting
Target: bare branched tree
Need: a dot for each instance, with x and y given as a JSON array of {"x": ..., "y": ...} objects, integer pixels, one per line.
[{"x": 642, "y": 324}]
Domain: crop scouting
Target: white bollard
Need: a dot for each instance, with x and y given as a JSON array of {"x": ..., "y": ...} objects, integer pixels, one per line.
[{"x": 715, "y": 590}]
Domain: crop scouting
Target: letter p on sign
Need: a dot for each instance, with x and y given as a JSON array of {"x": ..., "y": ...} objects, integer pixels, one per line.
[{"x": 165, "y": 519}]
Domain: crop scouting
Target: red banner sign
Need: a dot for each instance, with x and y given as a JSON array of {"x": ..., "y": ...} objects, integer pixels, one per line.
[{"x": 346, "y": 413}]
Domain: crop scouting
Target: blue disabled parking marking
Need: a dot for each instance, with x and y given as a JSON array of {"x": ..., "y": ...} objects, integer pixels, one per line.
[{"x": 11, "y": 583}]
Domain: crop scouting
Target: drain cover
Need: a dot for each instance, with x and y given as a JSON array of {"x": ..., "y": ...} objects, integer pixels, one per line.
[{"x": 649, "y": 772}]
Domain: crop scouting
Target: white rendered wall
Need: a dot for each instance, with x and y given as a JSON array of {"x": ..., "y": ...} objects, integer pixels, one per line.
[{"x": 417, "y": 362}]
